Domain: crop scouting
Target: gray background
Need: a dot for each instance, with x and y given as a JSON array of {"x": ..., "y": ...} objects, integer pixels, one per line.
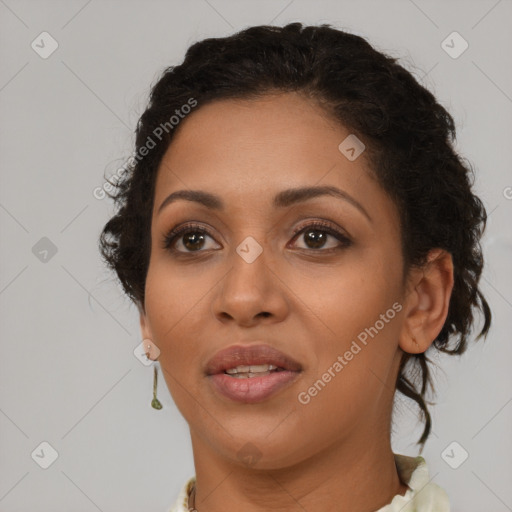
[{"x": 68, "y": 371}]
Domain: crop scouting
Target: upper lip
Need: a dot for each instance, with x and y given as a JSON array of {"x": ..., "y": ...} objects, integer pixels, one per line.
[{"x": 247, "y": 355}]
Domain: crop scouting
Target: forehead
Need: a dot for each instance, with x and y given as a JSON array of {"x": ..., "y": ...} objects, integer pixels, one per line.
[{"x": 249, "y": 150}]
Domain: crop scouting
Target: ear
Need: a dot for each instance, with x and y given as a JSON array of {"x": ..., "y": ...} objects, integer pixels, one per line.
[{"x": 427, "y": 302}]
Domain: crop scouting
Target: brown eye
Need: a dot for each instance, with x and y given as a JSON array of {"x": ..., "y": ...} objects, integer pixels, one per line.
[
  {"x": 187, "y": 239},
  {"x": 193, "y": 240},
  {"x": 317, "y": 235},
  {"x": 314, "y": 238}
]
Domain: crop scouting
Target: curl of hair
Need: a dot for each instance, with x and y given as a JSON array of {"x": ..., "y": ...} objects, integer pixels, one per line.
[{"x": 408, "y": 135}]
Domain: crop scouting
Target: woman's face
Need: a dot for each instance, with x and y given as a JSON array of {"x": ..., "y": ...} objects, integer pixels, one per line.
[{"x": 255, "y": 269}]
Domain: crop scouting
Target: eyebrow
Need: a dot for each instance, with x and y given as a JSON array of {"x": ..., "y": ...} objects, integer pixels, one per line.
[{"x": 283, "y": 199}]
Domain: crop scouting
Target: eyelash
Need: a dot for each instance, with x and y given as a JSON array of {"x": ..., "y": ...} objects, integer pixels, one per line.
[{"x": 323, "y": 227}]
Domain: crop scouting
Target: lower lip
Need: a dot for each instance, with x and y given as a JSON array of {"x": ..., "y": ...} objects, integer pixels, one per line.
[{"x": 252, "y": 389}]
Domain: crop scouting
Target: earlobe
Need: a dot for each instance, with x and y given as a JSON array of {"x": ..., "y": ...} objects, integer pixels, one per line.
[
  {"x": 150, "y": 348},
  {"x": 428, "y": 302}
]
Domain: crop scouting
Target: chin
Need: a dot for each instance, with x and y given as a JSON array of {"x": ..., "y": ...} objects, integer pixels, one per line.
[{"x": 258, "y": 452}]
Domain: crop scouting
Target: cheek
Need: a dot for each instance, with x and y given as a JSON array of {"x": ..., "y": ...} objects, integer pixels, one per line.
[
  {"x": 173, "y": 306},
  {"x": 350, "y": 297},
  {"x": 353, "y": 377},
  {"x": 178, "y": 309},
  {"x": 175, "y": 296},
  {"x": 356, "y": 310}
]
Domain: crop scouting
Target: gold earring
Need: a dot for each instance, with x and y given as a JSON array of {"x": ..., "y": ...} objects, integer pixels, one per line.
[
  {"x": 153, "y": 350},
  {"x": 155, "y": 403}
]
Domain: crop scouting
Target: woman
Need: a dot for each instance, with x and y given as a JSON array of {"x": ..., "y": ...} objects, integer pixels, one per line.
[{"x": 297, "y": 231}]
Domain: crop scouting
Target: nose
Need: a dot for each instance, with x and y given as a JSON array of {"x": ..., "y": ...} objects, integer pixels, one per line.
[{"x": 251, "y": 293}]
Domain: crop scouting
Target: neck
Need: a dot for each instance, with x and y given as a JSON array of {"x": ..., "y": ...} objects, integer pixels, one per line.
[{"x": 355, "y": 475}]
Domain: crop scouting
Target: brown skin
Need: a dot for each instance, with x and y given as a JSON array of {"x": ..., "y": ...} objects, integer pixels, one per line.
[{"x": 336, "y": 449}]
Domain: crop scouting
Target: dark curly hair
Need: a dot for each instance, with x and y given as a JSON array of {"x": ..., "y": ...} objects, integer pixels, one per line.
[{"x": 408, "y": 135}]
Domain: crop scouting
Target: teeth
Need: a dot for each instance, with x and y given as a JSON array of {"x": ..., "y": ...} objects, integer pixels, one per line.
[
  {"x": 255, "y": 368},
  {"x": 249, "y": 375}
]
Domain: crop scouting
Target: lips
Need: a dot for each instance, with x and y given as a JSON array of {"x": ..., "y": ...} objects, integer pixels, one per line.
[
  {"x": 240, "y": 355},
  {"x": 257, "y": 385}
]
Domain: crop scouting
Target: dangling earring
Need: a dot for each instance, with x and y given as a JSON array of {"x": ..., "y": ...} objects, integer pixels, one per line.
[
  {"x": 153, "y": 350},
  {"x": 155, "y": 403}
]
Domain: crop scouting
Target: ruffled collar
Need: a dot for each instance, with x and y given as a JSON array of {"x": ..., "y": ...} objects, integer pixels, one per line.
[{"x": 422, "y": 495}]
